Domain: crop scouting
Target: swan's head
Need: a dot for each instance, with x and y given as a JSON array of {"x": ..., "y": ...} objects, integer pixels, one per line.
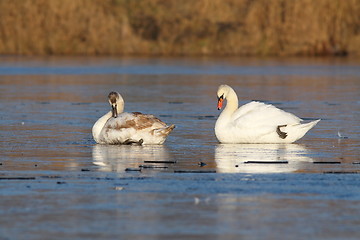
[
  {"x": 222, "y": 93},
  {"x": 116, "y": 102}
]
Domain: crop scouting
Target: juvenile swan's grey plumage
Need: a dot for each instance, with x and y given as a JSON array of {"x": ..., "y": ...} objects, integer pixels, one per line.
[{"x": 118, "y": 127}]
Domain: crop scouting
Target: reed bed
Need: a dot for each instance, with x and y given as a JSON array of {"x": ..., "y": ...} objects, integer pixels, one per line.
[{"x": 186, "y": 27}]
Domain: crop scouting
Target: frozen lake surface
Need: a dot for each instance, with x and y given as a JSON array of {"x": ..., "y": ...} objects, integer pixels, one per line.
[{"x": 55, "y": 182}]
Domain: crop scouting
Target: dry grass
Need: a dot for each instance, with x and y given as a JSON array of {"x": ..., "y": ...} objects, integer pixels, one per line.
[{"x": 187, "y": 27}]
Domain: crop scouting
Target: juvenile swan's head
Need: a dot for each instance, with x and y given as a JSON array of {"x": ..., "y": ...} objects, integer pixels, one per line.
[
  {"x": 222, "y": 93},
  {"x": 116, "y": 102}
]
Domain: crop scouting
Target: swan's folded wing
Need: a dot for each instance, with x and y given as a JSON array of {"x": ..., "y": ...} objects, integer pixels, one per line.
[
  {"x": 257, "y": 115},
  {"x": 143, "y": 121}
]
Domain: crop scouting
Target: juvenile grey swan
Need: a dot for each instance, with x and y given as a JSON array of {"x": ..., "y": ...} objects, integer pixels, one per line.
[{"x": 118, "y": 127}]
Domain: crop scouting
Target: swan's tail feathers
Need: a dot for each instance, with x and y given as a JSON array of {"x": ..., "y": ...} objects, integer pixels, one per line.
[
  {"x": 295, "y": 132},
  {"x": 310, "y": 125},
  {"x": 164, "y": 131}
]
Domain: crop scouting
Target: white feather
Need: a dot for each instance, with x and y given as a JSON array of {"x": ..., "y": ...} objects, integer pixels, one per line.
[{"x": 256, "y": 122}]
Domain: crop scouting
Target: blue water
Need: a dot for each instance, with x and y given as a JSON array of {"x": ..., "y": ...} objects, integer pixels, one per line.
[{"x": 55, "y": 181}]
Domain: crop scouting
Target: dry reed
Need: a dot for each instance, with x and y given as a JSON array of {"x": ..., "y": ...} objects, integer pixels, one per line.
[{"x": 187, "y": 27}]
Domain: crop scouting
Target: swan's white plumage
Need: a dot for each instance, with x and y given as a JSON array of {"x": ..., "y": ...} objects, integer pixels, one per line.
[
  {"x": 255, "y": 113},
  {"x": 126, "y": 128},
  {"x": 256, "y": 122}
]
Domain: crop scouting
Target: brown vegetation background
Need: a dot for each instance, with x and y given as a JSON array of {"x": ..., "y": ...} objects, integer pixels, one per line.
[{"x": 180, "y": 27}]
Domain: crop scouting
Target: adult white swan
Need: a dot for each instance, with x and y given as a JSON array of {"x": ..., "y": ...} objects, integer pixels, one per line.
[
  {"x": 118, "y": 127},
  {"x": 256, "y": 122}
]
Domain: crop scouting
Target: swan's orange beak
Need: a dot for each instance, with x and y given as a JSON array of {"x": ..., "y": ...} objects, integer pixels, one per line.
[{"x": 220, "y": 102}]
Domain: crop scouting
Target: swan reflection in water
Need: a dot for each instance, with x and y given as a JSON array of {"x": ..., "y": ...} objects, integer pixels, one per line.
[
  {"x": 119, "y": 157},
  {"x": 231, "y": 158}
]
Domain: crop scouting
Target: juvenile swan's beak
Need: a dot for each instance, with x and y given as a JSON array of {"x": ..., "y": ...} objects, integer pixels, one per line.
[
  {"x": 114, "y": 110},
  {"x": 220, "y": 102}
]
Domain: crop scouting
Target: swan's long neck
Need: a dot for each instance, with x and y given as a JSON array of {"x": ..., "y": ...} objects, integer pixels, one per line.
[
  {"x": 98, "y": 126},
  {"x": 232, "y": 103},
  {"x": 225, "y": 117},
  {"x": 120, "y": 106}
]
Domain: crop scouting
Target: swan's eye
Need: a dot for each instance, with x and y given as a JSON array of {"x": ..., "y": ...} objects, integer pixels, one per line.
[{"x": 221, "y": 97}]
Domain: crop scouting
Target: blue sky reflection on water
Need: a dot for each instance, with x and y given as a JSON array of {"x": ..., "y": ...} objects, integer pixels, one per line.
[
  {"x": 50, "y": 104},
  {"x": 176, "y": 66}
]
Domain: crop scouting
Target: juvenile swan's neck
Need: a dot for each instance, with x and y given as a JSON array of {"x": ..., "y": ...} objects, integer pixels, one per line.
[
  {"x": 232, "y": 103},
  {"x": 120, "y": 106},
  {"x": 98, "y": 126}
]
